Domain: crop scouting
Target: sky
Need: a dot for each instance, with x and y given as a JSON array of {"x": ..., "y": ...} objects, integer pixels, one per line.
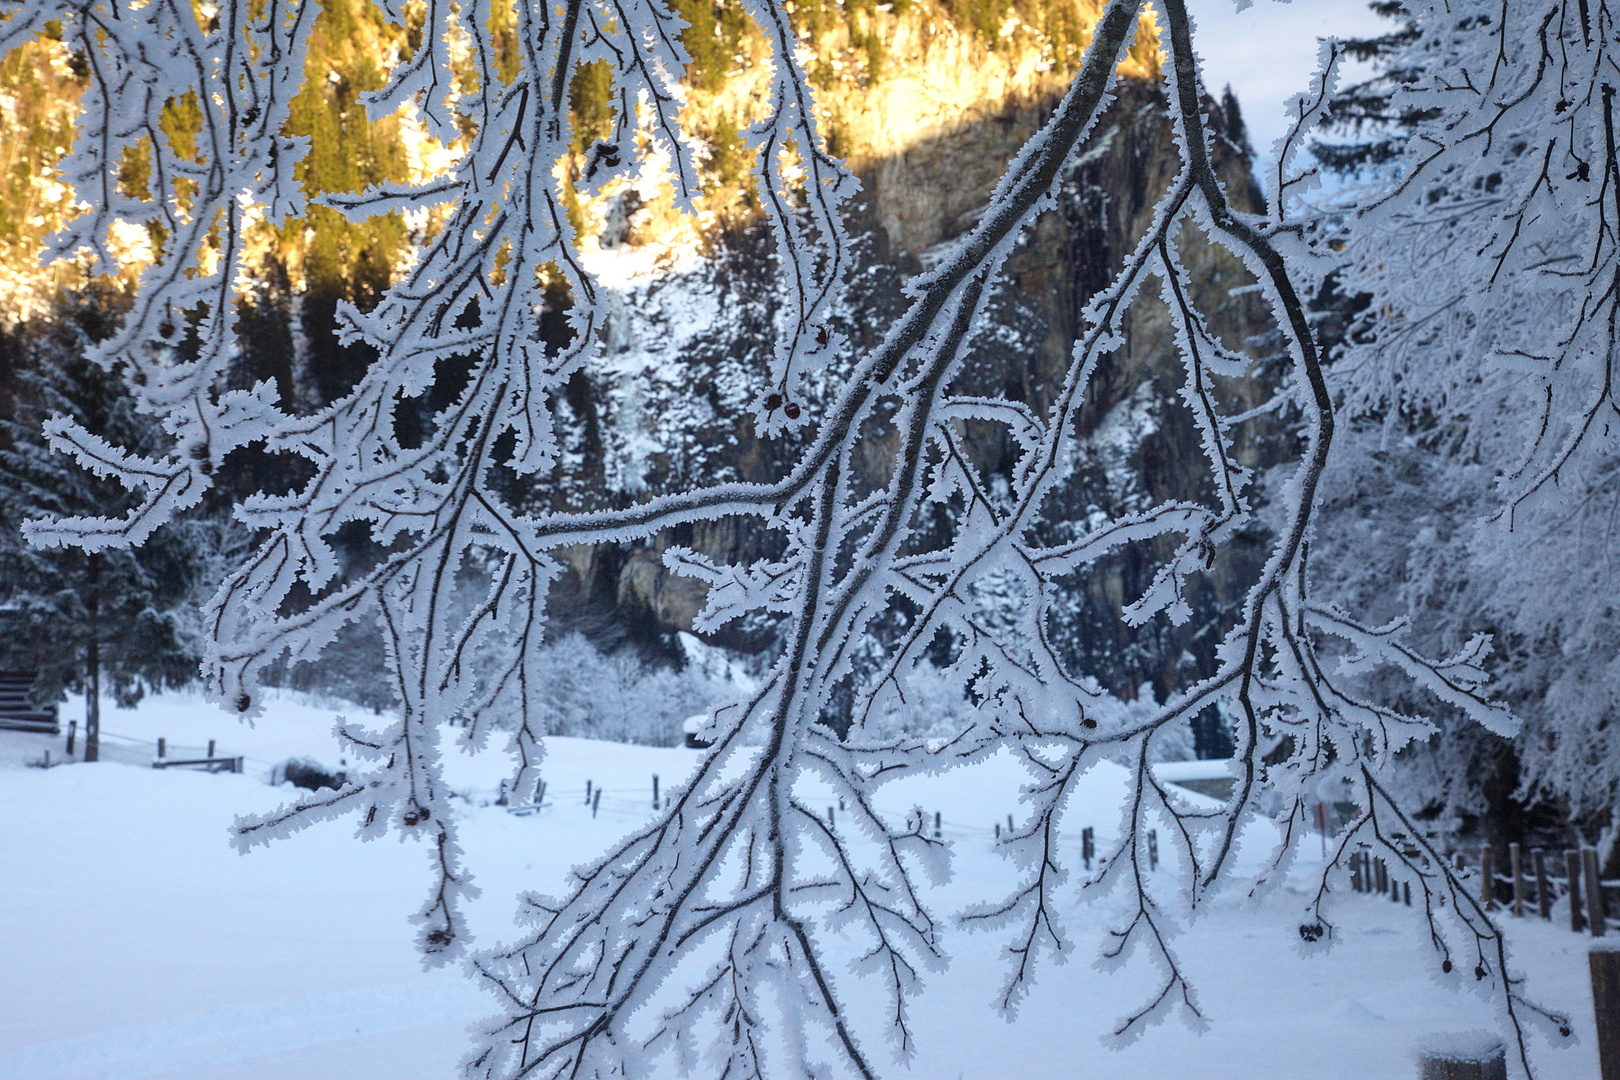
[{"x": 1268, "y": 52}]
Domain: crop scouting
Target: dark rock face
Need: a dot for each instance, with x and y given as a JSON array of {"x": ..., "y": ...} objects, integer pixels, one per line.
[{"x": 1142, "y": 447}]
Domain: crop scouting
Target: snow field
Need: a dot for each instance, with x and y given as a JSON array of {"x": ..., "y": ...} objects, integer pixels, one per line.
[{"x": 140, "y": 945}]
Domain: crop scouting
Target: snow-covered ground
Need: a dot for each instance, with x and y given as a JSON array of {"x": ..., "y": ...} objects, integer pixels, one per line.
[{"x": 137, "y": 944}]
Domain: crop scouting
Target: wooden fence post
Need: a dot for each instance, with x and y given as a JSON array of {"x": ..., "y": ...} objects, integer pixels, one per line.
[
  {"x": 1487, "y": 878},
  {"x": 1594, "y": 893},
  {"x": 1572, "y": 881},
  {"x": 162, "y": 746},
  {"x": 210, "y": 748},
  {"x": 1538, "y": 860},
  {"x": 1605, "y": 964},
  {"x": 73, "y": 729},
  {"x": 596, "y": 801},
  {"x": 1153, "y": 849},
  {"x": 655, "y": 791}
]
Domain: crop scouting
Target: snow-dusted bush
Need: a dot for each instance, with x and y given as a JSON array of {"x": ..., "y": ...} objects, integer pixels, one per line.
[
  {"x": 618, "y": 697},
  {"x": 307, "y": 773}
]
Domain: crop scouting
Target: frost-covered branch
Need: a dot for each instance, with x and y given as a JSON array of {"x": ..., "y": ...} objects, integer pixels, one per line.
[{"x": 717, "y": 918}]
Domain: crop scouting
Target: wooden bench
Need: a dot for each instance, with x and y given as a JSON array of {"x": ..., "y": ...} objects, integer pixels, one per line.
[{"x": 207, "y": 764}]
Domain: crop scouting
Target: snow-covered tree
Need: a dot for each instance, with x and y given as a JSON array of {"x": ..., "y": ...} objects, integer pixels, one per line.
[
  {"x": 717, "y": 918},
  {"x": 585, "y": 693},
  {"x": 80, "y": 617},
  {"x": 1479, "y": 475}
]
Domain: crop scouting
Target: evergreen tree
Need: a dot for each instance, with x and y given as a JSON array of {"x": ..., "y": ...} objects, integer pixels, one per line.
[
  {"x": 88, "y": 621},
  {"x": 40, "y": 83},
  {"x": 1370, "y": 128}
]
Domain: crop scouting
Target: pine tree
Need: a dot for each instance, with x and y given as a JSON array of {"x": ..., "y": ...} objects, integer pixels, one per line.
[
  {"x": 88, "y": 621},
  {"x": 40, "y": 83},
  {"x": 1371, "y": 128}
]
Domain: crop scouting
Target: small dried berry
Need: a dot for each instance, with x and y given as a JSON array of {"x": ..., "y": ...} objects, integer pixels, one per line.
[
  {"x": 1445, "y": 966},
  {"x": 243, "y": 701},
  {"x": 791, "y": 410},
  {"x": 773, "y": 402}
]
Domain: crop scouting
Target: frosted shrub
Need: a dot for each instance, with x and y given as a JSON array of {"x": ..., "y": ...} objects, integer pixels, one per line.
[{"x": 616, "y": 697}]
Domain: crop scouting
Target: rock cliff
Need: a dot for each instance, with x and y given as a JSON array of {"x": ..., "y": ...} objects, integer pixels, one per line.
[{"x": 928, "y": 116}]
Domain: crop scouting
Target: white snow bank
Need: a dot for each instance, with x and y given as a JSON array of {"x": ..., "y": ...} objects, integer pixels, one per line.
[
  {"x": 1476, "y": 1045},
  {"x": 139, "y": 945},
  {"x": 1172, "y": 772}
]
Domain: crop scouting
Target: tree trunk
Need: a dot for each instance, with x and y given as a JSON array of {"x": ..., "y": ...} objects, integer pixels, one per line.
[
  {"x": 92, "y": 668},
  {"x": 92, "y": 701}
]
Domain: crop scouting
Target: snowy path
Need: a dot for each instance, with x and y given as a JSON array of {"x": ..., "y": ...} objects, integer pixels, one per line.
[
  {"x": 138, "y": 944},
  {"x": 307, "y": 1030}
]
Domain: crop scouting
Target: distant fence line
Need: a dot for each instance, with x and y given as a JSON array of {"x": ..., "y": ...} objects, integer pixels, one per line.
[
  {"x": 1530, "y": 885},
  {"x": 160, "y": 752}
]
